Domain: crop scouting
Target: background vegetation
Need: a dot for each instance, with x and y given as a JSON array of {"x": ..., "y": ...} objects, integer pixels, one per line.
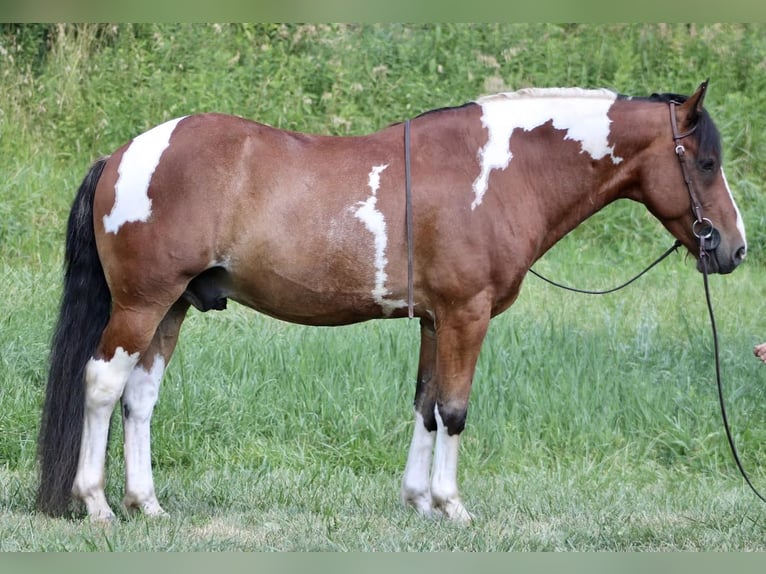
[{"x": 593, "y": 422}]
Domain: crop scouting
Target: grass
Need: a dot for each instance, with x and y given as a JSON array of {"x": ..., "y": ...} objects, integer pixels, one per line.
[
  {"x": 542, "y": 510},
  {"x": 594, "y": 422},
  {"x": 593, "y": 425}
]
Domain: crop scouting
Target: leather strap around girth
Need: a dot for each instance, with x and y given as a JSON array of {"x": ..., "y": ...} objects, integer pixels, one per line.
[{"x": 408, "y": 217}]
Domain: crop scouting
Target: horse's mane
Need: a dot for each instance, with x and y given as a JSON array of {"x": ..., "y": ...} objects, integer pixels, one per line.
[
  {"x": 526, "y": 93},
  {"x": 706, "y": 132},
  {"x": 549, "y": 93}
]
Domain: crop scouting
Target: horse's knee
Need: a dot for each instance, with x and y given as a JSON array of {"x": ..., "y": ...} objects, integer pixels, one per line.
[{"x": 105, "y": 379}]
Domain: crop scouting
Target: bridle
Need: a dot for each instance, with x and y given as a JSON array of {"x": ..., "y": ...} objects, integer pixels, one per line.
[{"x": 702, "y": 228}]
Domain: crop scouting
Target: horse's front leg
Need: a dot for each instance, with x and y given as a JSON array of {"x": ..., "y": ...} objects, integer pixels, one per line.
[
  {"x": 441, "y": 407},
  {"x": 416, "y": 483},
  {"x": 459, "y": 337}
]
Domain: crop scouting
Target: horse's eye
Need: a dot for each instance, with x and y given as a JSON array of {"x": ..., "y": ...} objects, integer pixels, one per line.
[{"x": 706, "y": 165}]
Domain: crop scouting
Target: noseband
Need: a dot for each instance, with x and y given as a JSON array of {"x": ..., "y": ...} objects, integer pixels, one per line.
[{"x": 702, "y": 228}]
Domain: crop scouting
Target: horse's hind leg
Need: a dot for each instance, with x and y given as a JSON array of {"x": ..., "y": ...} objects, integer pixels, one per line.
[
  {"x": 138, "y": 400},
  {"x": 125, "y": 338}
]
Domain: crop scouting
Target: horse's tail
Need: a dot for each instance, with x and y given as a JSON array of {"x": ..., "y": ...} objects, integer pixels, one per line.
[{"x": 84, "y": 313}]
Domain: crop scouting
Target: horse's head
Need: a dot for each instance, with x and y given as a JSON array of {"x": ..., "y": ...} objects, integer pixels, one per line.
[{"x": 684, "y": 185}]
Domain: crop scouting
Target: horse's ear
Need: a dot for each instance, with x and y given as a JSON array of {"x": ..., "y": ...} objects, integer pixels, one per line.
[{"x": 693, "y": 106}]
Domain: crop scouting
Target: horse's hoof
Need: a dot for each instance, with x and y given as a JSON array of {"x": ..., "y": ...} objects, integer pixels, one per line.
[
  {"x": 102, "y": 518},
  {"x": 150, "y": 508}
]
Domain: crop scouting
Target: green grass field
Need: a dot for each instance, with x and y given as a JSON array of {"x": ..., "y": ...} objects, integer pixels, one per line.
[{"x": 594, "y": 422}]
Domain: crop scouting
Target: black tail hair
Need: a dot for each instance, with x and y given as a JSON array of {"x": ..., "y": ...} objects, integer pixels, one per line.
[{"x": 84, "y": 313}]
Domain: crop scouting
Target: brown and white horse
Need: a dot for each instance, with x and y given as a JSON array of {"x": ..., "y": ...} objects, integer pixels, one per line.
[{"x": 311, "y": 229}]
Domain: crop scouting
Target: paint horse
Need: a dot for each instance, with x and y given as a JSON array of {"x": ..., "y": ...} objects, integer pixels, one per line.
[{"x": 312, "y": 230}]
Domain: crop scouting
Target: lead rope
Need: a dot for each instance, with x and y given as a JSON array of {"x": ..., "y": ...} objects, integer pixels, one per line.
[
  {"x": 729, "y": 437},
  {"x": 719, "y": 385},
  {"x": 704, "y": 230}
]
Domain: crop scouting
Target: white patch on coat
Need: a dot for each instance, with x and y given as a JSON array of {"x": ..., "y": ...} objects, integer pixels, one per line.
[
  {"x": 131, "y": 192},
  {"x": 375, "y": 222},
  {"x": 582, "y": 113},
  {"x": 740, "y": 222}
]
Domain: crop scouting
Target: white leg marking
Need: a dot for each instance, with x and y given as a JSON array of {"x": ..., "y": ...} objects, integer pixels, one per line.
[
  {"x": 139, "y": 398},
  {"x": 375, "y": 223},
  {"x": 740, "y": 222},
  {"x": 582, "y": 113},
  {"x": 131, "y": 199},
  {"x": 444, "y": 490},
  {"x": 104, "y": 382},
  {"x": 416, "y": 489}
]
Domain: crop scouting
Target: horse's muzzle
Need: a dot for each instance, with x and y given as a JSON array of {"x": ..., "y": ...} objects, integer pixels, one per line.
[{"x": 719, "y": 259}]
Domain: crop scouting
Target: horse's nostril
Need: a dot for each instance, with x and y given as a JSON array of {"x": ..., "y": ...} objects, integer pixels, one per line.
[{"x": 739, "y": 256}]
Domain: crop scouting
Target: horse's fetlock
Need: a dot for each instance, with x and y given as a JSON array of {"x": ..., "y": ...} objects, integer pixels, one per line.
[
  {"x": 442, "y": 495},
  {"x": 418, "y": 499}
]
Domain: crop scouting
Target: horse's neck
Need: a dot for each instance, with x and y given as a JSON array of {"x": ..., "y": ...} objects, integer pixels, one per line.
[
  {"x": 570, "y": 204},
  {"x": 574, "y": 187},
  {"x": 553, "y": 193},
  {"x": 551, "y": 183}
]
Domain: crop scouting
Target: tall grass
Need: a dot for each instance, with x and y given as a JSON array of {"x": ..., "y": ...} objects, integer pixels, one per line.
[
  {"x": 593, "y": 421},
  {"x": 75, "y": 92}
]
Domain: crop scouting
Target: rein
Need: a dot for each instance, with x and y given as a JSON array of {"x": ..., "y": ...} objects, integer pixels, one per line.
[
  {"x": 670, "y": 250},
  {"x": 709, "y": 238}
]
